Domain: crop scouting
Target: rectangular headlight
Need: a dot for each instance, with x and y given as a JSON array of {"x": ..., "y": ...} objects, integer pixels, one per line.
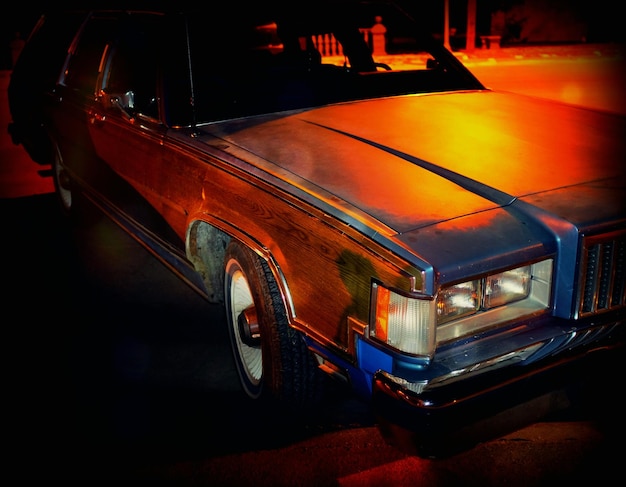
[
  {"x": 496, "y": 298},
  {"x": 507, "y": 287},
  {"x": 459, "y": 300},
  {"x": 404, "y": 321}
]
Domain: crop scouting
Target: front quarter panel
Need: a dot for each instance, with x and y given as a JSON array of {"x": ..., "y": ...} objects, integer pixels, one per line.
[{"x": 327, "y": 265}]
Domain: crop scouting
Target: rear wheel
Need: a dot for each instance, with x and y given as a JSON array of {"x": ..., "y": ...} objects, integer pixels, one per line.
[
  {"x": 272, "y": 359},
  {"x": 62, "y": 183},
  {"x": 70, "y": 198}
]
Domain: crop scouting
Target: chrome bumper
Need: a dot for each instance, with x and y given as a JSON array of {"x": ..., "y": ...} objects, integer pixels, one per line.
[{"x": 448, "y": 419}]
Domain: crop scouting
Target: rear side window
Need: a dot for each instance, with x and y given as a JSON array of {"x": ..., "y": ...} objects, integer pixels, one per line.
[
  {"x": 41, "y": 61},
  {"x": 43, "y": 55},
  {"x": 86, "y": 54}
]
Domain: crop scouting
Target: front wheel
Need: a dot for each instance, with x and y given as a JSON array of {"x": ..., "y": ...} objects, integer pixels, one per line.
[{"x": 272, "y": 358}]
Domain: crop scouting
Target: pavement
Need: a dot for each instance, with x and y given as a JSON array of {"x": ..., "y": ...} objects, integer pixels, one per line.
[
  {"x": 524, "y": 53},
  {"x": 543, "y": 52}
]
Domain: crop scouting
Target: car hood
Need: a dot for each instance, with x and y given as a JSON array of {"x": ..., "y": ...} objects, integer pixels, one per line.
[{"x": 414, "y": 161}]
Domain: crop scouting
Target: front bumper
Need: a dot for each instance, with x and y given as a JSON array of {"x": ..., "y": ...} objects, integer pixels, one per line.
[{"x": 445, "y": 420}]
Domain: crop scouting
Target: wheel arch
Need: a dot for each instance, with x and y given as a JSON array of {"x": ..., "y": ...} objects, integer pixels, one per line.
[{"x": 206, "y": 244}]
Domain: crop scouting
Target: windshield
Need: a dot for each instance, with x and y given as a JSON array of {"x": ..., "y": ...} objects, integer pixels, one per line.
[{"x": 295, "y": 57}]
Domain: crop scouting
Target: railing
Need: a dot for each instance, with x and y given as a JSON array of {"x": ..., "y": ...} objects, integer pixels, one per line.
[
  {"x": 374, "y": 36},
  {"x": 327, "y": 45},
  {"x": 490, "y": 42}
]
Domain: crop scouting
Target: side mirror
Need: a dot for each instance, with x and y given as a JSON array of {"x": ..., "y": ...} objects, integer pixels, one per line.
[{"x": 124, "y": 102}]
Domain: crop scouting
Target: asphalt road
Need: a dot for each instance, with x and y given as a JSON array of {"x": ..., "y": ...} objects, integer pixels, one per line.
[
  {"x": 118, "y": 374},
  {"x": 121, "y": 375}
]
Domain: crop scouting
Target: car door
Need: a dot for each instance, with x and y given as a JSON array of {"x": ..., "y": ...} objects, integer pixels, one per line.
[
  {"x": 128, "y": 130},
  {"x": 74, "y": 98}
]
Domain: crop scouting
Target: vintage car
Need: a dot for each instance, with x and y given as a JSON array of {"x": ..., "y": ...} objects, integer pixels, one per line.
[{"x": 453, "y": 254}]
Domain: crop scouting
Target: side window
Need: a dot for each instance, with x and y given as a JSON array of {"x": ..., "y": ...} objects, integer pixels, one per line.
[
  {"x": 86, "y": 55},
  {"x": 178, "y": 99},
  {"x": 228, "y": 66},
  {"x": 133, "y": 66}
]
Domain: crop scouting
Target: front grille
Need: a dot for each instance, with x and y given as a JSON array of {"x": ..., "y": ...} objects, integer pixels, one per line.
[{"x": 603, "y": 274}]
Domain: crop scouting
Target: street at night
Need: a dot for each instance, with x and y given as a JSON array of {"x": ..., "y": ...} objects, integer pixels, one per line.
[{"x": 120, "y": 374}]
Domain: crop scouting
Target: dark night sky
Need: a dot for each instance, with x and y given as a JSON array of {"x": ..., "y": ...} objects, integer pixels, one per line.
[{"x": 605, "y": 24}]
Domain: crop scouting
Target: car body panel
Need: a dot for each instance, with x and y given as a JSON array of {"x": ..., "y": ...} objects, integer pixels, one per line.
[{"x": 410, "y": 146}]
